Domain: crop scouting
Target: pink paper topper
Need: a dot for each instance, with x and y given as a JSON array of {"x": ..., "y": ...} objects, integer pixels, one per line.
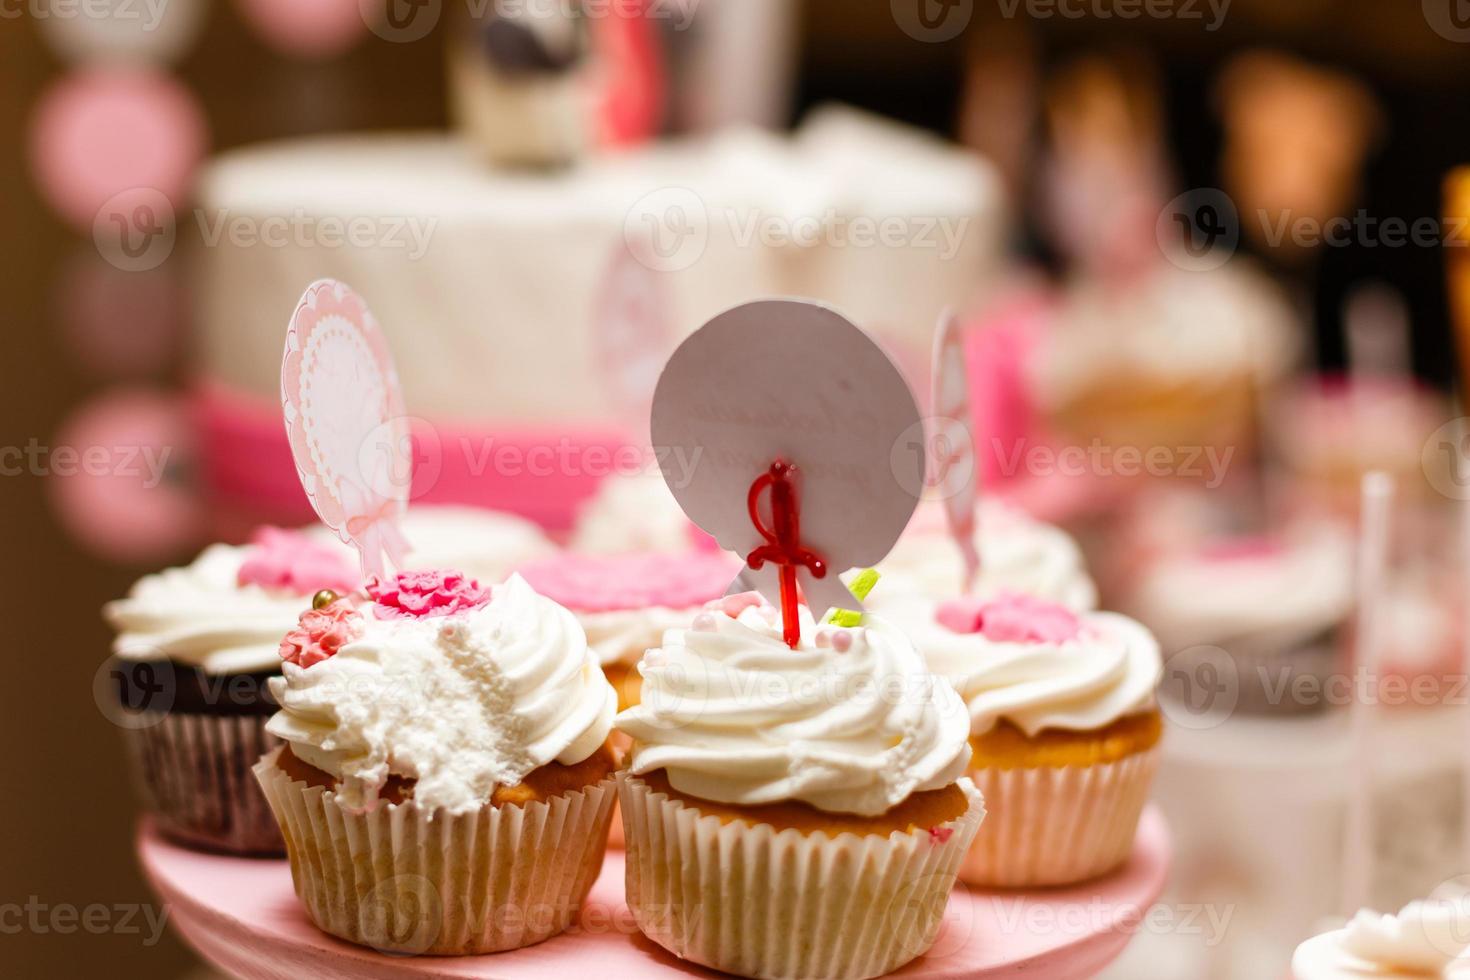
[
  {"x": 787, "y": 434},
  {"x": 953, "y": 441},
  {"x": 345, "y": 419},
  {"x": 633, "y": 333}
]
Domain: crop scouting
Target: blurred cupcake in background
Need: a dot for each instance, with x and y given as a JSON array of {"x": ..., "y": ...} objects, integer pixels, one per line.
[
  {"x": 446, "y": 782},
  {"x": 1020, "y": 554},
  {"x": 195, "y": 648},
  {"x": 1063, "y": 723},
  {"x": 484, "y": 544},
  {"x": 636, "y": 515},
  {"x": 1424, "y": 940},
  {"x": 822, "y": 786},
  {"x": 1268, "y": 611}
]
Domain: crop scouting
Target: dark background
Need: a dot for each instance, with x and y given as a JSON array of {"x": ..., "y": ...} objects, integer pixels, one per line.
[{"x": 68, "y": 818}]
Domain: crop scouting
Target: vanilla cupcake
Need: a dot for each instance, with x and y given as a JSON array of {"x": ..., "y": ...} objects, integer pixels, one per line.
[
  {"x": 1020, "y": 554},
  {"x": 446, "y": 782},
  {"x": 794, "y": 812},
  {"x": 195, "y": 647},
  {"x": 626, "y": 602},
  {"x": 1425, "y": 940},
  {"x": 1063, "y": 724}
]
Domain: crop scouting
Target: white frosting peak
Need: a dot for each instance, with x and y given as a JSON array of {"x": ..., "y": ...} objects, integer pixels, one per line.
[
  {"x": 1425, "y": 939},
  {"x": 853, "y": 724},
  {"x": 461, "y": 703},
  {"x": 199, "y": 615}
]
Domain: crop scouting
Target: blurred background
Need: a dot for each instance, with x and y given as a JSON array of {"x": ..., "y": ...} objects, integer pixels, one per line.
[{"x": 1205, "y": 254}]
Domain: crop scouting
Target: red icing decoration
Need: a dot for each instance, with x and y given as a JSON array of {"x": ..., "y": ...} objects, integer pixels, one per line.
[
  {"x": 321, "y": 633},
  {"x": 292, "y": 562},
  {"x": 783, "y": 541},
  {"x": 616, "y": 583},
  {"x": 940, "y": 835},
  {"x": 420, "y": 595},
  {"x": 1010, "y": 618}
]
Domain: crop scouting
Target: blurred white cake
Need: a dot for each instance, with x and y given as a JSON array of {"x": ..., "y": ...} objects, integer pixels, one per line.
[{"x": 486, "y": 281}]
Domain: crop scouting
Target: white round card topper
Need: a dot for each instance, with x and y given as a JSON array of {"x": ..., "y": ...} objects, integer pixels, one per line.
[
  {"x": 793, "y": 383},
  {"x": 344, "y": 415}
]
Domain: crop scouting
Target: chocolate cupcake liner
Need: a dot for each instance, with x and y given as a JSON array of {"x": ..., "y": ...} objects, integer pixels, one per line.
[
  {"x": 194, "y": 773},
  {"x": 758, "y": 902},
  {"x": 402, "y": 879},
  {"x": 1058, "y": 826}
]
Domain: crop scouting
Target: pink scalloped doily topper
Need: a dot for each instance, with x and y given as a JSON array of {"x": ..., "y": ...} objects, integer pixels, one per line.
[
  {"x": 345, "y": 419},
  {"x": 953, "y": 456},
  {"x": 613, "y": 583}
]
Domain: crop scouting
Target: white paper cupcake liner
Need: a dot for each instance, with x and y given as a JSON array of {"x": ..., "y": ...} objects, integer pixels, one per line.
[
  {"x": 194, "y": 772},
  {"x": 401, "y": 879},
  {"x": 1058, "y": 826},
  {"x": 758, "y": 902}
]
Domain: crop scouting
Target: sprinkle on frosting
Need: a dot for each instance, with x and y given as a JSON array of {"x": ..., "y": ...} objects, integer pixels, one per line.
[
  {"x": 421, "y": 595},
  {"x": 734, "y": 605},
  {"x": 290, "y": 561},
  {"x": 1011, "y": 618},
  {"x": 321, "y": 633}
]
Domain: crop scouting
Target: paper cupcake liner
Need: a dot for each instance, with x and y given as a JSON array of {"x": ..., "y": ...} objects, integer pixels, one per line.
[
  {"x": 406, "y": 880},
  {"x": 758, "y": 902},
  {"x": 1058, "y": 826},
  {"x": 194, "y": 773}
]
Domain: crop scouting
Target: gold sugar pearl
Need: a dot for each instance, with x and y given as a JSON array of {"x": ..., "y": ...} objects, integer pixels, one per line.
[{"x": 323, "y": 599}]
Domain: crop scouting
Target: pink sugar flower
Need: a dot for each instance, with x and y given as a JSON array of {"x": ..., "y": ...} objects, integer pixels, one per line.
[
  {"x": 419, "y": 595},
  {"x": 290, "y": 561},
  {"x": 1010, "y": 618},
  {"x": 321, "y": 633}
]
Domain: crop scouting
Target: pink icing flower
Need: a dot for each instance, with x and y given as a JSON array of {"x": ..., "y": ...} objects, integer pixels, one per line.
[
  {"x": 734, "y": 605},
  {"x": 293, "y": 562},
  {"x": 321, "y": 633},
  {"x": 1010, "y": 618},
  {"x": 419, "y": 595}
]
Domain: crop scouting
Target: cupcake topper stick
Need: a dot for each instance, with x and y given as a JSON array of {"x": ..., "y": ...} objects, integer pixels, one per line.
[
  {"x": 954, "y": 443},
  {"x": 344, "y": 416},
  {"x": 1357, "y": 875},
  {"x": 786, "y": 404}
]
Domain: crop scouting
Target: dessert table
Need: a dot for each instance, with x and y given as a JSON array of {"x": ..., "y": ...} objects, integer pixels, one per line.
[{"x": 241, "y": 915}]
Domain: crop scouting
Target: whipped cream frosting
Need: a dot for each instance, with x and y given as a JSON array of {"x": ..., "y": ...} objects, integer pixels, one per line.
[
  {"x": 1425, "y": 939},
  {"x": 199, "y": 615},
  {"x": 849, "y": 722},
  {"x": 1085, "y": 679},
  {"x": 1274, "y": 596},
  {"x": 1018, "y": 554},
  {"x": 633, "y": 514},
  {"x": 462, "y": 703},
  {"x": 624, "y": 635}
]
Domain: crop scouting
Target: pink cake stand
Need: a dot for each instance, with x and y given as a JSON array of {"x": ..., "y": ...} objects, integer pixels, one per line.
[{"x": 242, "y": 916}]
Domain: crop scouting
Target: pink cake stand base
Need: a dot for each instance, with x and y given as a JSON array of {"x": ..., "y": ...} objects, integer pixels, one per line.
[{"x": 242, "y": 916}]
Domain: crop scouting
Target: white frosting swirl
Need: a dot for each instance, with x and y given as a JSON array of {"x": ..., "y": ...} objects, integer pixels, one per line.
[
  {"x": 462, "y": 703},
  {"x": 1018, "y": 554},
  {"x": 1108, "y": 671},
  {"x": 733, "y": 715},
  {"x": 200, "y": 616},
  {"x": 632, "y": 514},
  {"x": 1425, "y": 939}
]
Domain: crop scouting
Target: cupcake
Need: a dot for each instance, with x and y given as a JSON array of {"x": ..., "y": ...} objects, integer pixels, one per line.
[
  {"x": 1063, "y": 724},
  {"x": 794, "y": 812},
  {"x": 1425, "y": 939},
  {"x": 446, "y": 782},
  {"x": 1020, "y": 555},
  {"x": 194, "y": 649},
  {"x": 635, "y": 514},
  {"x": 626, "y": 602},
  {"x": 1264, "y": 614}
]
